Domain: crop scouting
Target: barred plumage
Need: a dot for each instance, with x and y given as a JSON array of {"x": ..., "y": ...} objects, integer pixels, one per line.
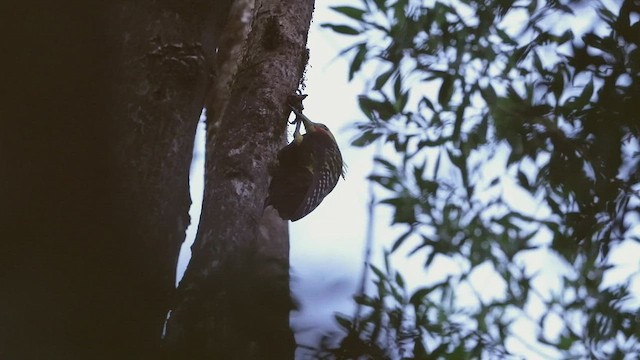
[{"x": 308, "y": 170}]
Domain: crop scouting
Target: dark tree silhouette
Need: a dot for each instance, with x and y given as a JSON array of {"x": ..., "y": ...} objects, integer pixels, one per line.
[{"x": 96, "y": 143}]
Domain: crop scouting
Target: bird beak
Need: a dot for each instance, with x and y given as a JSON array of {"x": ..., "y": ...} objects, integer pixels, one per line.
[{"x": 309, "y": 125}]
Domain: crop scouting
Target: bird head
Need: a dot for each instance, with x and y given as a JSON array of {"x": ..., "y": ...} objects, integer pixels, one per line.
[{"x": 313, "y": 127}]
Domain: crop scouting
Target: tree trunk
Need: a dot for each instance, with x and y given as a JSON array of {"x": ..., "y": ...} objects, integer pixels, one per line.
[
  {"x": 165, "y": 51},
  {"x": 234, "y": 301},
  {"x": 96, "y": 149}
]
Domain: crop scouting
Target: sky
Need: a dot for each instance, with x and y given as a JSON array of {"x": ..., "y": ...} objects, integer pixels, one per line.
[{"x": 327, "y": 246}]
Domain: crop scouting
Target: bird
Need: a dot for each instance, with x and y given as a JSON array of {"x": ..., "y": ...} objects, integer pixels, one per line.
[{"x": 307, "y": 170}]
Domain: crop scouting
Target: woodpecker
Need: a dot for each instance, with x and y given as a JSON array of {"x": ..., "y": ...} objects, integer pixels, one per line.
[{"x": 308, "y": 169}]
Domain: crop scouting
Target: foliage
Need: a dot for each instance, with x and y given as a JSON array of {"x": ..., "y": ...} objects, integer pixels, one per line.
[{"x": 454, "y": 86}]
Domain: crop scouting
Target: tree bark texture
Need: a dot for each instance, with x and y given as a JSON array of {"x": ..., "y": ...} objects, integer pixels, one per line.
[
  {"x": 95, "y": 190},
  {"x": 234, "y": 300}
]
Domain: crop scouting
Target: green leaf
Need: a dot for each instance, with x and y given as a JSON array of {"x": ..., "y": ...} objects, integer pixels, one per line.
[
  {"x": 565, "y": 342},
  {"x": 425, "y": 100},
  {"x": 457, "y": 160},
  {"x": 386, "y": 163},
  {"x": 403, "y": 99},
  {"x": 418, "y": 296},
  {"x": 379, "y": 273},
  {"x": 342, "y": 29},
  {"x": 524, "y": 181},
  {"x": 489, "y": 95},
  {"x": 419, "y": 350},
  {"x": 521, "y": 53},
  {"x": 505, "y": 37},
  {"x": 537, "y": 63},
  {"x": 382, "y": 79},
  {"x": 533, "y": 6},
  {"x": 401, "y": 240},
  {"x": 344, "y": 321},
  {"x": 388, "y": 182},
  {"x": 585, "y": 97},
  {"x": 349, "y": 11},
  {"x": 400, "y": 280},
  {"x": 397, "y": 87},
  {"x": 436, "y": 168},
  {"x": 381, "y": 5},
  {"x": 365, "y": 300},
  {"x": 357, "y": 61},
  {"x": 446, "y": 90},
  {"x": 383, "y": 109},
  {"x": 365, "y": 139},
  {"x": 557, "y": 85},
  {"x": 351, "y": 47},
  {"x": 404, "y": 209},
  {"x": 368, "y": 106}
]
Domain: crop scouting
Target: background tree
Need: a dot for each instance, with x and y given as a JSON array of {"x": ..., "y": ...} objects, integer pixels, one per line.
[
  {"x": 97, "y": 137},
  {"x": 478, "y": 99}
]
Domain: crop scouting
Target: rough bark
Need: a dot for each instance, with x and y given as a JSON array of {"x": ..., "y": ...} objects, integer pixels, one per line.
[
  {"x": 233, "y": 302},
  {"x": 107, "y": 99}
]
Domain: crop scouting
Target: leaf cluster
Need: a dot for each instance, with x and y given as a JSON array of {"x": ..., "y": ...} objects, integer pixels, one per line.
[{"x": 463, "y": 82}]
